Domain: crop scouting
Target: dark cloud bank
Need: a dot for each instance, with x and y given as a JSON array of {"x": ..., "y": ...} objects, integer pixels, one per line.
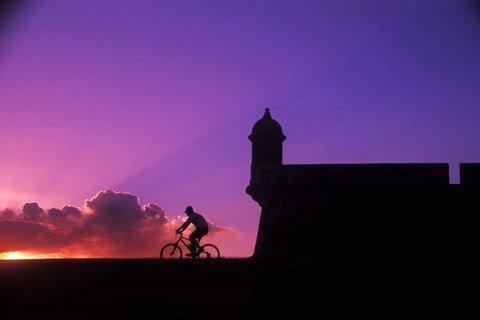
[{"x": 111, "y": 224}]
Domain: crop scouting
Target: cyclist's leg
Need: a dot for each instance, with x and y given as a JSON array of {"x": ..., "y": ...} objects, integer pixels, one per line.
[
  {"x": 194, "y": 239},
  {"x": 201, "y": 233}
]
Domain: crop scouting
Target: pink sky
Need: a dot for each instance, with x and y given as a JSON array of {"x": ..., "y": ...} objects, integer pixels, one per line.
[{"x": 157, "y": 98}]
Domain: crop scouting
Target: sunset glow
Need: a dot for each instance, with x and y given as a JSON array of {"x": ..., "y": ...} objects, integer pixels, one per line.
[
  {"x": 150, "y": 103},
  {"x": 111, "y": 224},
  {"x": 17, "y": 255}
]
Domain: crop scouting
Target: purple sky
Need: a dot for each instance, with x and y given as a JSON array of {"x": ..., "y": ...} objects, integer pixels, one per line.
[{"x": 157, "y": 98}]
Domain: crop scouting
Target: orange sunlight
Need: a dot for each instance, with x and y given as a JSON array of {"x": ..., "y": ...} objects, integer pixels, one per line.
[{"x": 19, "y": 255}]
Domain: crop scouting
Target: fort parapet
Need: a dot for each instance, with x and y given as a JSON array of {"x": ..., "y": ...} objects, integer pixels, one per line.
[{"x": 353, "y": 211}]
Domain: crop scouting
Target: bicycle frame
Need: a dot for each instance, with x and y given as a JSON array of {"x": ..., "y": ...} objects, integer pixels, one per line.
[
  {"x": 182, "y": 239},
  {"x": 204, "y": 250}
]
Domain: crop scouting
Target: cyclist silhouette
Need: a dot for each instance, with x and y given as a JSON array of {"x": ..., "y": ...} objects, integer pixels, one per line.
[{"x": 201, "y": 229}]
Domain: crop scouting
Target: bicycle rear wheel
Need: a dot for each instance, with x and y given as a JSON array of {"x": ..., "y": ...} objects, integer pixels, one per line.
[
  {"x": 171, "y": 251},
  {"x": 209, "y": 251}
]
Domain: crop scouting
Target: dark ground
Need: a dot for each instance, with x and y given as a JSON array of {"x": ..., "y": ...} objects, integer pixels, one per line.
[{"x": 222, "y": 289}]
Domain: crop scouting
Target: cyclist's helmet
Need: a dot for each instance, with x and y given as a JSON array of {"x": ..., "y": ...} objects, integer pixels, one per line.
[{"x": 189, "y": 210}]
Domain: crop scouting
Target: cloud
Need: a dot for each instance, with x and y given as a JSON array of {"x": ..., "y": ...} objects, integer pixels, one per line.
[
  {"x": 32, "y": 211},
  {"x": 56, "y": 215},
  {"x": 118, "y": 222},
  {"x": 214, "y": 228},
  {"x": 72, "y": 211},
  {"x": 114, "y": 211},
  {"x": 154, "y": 211},
  {"x": 67, "y": 216},
  {"x": 111, "y": 224},
  {"x": 7, "y": 214},
  {"x": 18, "y": 235}
]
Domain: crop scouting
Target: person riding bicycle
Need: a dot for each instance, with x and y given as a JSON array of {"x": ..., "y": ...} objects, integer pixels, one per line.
[{"x": 201, "y": 229}]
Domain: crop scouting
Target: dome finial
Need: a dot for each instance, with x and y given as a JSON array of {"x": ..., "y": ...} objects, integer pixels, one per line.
[
  {"x": 267, "y": 114},
  {"x": 267, "y": 126}
]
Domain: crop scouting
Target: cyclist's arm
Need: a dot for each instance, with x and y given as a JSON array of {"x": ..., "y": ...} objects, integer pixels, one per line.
[{"x": 184, "y": 225}]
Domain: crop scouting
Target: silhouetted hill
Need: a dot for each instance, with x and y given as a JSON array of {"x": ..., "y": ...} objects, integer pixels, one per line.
[{"x": 225, "y": 289}]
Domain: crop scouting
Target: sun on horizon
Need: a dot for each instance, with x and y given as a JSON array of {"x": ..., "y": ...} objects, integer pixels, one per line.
[{"x": 21, "y": 255}]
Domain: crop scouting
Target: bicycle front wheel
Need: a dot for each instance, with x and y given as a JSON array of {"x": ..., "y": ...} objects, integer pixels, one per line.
[
  {"x": 209, "y": 251},
  {"x": 171, "y": 251}
]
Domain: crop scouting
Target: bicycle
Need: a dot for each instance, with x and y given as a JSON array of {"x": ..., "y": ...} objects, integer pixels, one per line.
[{"x": 173, "y": 250}]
